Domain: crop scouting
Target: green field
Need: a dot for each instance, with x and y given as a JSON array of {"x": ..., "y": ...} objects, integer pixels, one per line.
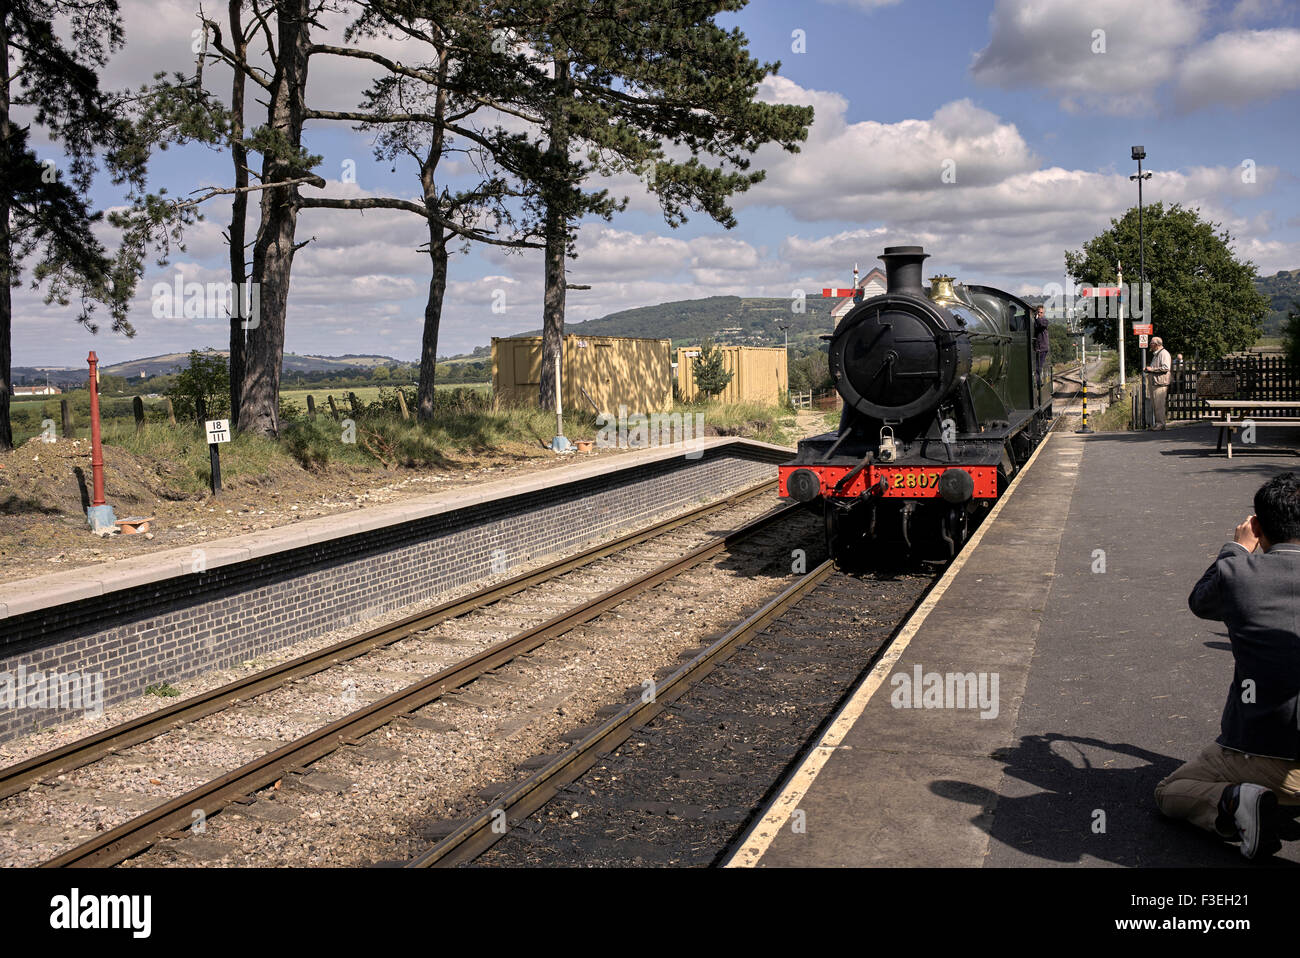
[
  {"x": 28, "y": 412},
  {"x": 365, "y": 394}
]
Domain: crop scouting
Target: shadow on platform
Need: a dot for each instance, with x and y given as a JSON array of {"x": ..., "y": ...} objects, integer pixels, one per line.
[
  {"x": 1199, "y": 441},
  {"x": 1087, "y": 784}
]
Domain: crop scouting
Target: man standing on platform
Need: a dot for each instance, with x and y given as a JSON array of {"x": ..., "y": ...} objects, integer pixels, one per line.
[
  {"x": 1159, "y": 370},
  {"x": 1233, "y": 787}
]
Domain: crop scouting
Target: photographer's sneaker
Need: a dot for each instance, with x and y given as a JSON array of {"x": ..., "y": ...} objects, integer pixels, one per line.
[{"x": 1255, "y": 815}]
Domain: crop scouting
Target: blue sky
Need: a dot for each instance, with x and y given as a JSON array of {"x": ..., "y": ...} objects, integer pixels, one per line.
[{"x": 1030, "y": 106}]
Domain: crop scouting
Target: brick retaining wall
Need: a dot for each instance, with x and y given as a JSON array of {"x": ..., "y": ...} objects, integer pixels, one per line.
[{"x": 185, "y": 625}]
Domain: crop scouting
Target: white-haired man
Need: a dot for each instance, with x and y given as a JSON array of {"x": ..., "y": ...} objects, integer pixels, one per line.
[{"x": 1159, "y": 370}]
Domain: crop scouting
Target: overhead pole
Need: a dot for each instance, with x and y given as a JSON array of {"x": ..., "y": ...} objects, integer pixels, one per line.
[
  {"x": 1139, "y": 153},
  {"x": 1119, "y": 322}
]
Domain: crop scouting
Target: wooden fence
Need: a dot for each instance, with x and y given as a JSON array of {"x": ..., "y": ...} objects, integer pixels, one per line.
[{"x": 1254, "y": 377}]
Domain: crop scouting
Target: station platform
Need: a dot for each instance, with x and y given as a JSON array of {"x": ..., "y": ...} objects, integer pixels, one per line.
[{"x": 1075, "y": 599}]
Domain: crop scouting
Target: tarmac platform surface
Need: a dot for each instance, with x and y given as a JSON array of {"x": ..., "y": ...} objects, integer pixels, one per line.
[{"x": 1106, "y": 681}]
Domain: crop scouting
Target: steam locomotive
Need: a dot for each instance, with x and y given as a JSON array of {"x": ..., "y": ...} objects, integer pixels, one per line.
[{"x": 942, "y": 406}]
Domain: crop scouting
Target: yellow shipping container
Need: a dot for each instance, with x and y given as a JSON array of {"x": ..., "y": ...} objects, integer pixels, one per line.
[
  {"x": 760, "y": 374},
  {"x": 600, "y": 373}
]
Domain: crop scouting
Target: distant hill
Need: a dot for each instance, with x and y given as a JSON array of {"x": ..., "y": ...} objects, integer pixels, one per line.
[
  {"x": 171, "y": 362},
  {"x": 1283, "y": 292},
  {"x": 753, "y": 321},
  {"x": 735, "y": 320}
]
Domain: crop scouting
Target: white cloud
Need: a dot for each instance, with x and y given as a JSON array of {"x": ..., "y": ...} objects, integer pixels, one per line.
[
  {"x": 1054, "y": 45},
  {"x": 842, "y": 162},
  {"x": 1239, "y": 67}
]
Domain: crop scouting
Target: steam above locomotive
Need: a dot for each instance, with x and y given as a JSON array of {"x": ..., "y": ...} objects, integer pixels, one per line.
[{"x": 942, "y": 405}]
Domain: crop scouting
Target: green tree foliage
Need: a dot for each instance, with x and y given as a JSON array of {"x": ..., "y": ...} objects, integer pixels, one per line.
[
  {"x": 1282, "y": 290},
  {"x": 710, "y": 377},
  {"x": 1061, "y": 344},
  {"x": 110, "y": 385},
  {"x": 809, "y": 369},
  {"x": 207, "y": 376},
  {"x": 1291, "y": 334},
  {"x": 1203, "y": 299}
]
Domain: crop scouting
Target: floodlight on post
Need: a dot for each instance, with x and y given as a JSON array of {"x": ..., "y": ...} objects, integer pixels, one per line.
[{"x": 1139, "y": 153}]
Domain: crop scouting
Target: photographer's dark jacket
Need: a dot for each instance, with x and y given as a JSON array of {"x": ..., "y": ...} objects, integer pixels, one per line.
[{"x": 1257, "y": 595}]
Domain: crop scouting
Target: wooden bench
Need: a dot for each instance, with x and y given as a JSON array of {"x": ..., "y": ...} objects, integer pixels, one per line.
[{"x": 1227, "y": 424}]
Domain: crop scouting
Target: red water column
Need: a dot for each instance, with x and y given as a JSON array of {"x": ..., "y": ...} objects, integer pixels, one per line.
[{"x": 96, "y": 450}]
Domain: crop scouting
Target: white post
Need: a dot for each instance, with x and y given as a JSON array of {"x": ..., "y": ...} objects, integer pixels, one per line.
[
  {"x": 1119, "y": 329},
  {"x": 559, "y": 413}
]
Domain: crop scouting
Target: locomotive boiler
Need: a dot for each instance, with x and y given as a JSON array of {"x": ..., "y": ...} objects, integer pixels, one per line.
[{"x": 943, "y": 403}]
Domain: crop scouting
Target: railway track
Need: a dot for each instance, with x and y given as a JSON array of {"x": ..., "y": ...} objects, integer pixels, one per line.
[
  {"x": 1071, "y": 396},
  {"x": 676, "y": 781},
  {"x": 139, "y": 833},
  {"x": 22, "y": 775},
  {"x": 469, "y": 840},
  {"x": 672, "y": 765}
]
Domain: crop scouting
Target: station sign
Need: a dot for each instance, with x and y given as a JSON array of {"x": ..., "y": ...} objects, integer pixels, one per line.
[
  {"x": 218, "y": 430},
  {"x": 1142, "y": 329}
]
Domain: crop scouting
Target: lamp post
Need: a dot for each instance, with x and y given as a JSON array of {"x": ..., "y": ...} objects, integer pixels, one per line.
[{"x": 1139, "y": 153}]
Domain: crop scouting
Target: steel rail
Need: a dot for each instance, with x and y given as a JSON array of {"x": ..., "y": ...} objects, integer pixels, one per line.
[
  {"x": 138, "y": 834},
  {"x": 479, "y": 833},
  {"x": 16, "y": 778}
]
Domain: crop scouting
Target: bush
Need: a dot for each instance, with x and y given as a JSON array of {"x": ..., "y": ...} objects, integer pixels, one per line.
[
  {"x": 206, "y": 377},
  {"x": 307, "y": 444}
]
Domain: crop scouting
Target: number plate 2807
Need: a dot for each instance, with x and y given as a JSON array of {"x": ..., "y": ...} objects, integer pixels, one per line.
[{"x": 923, "y": 481}]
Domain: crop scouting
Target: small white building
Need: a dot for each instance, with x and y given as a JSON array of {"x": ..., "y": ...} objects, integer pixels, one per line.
[
  {"x": 37, "y": 390},
  {"x": 871, "y": 284}
]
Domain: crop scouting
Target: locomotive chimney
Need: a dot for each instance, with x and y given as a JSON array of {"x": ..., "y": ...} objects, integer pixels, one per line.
[{"x": 903, "y": 269}]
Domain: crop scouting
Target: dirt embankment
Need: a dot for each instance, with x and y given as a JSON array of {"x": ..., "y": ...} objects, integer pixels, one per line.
[{"x": 44, "y": 488}]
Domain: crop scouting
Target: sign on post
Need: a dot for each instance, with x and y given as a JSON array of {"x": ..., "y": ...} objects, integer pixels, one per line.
[
  {"x": 1142, "y": 341},
  {"x": 218, "y": 432},
  {"x": 1142, "y": 329}
]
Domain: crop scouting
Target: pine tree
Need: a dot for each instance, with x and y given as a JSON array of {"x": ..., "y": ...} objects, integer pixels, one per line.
[
  {"x": 44, "y": 212},
  {"x": 632, "y": 85},
  {"x": 178, "y": 110},
  {"x": 425, "y": 111},
  {"x": 710, "y": 377}
]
